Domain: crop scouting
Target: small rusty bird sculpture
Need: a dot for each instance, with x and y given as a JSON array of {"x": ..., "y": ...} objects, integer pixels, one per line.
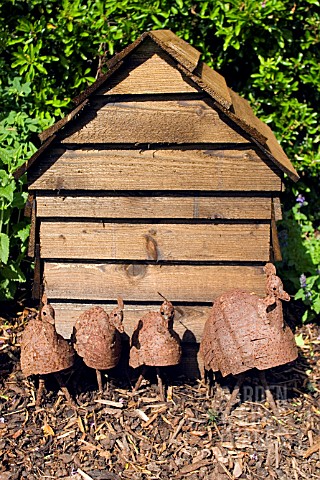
[
  {"x": 97, "y": 338},
  {"x": 44, "y": 351},
  {"x": 154, "y": 343}
]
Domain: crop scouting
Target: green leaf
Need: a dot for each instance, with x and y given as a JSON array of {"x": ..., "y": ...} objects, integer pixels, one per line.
[
  {"x": 7, "y": 192},
  {"x": 299, "y": 340},
  {"x": 13, "y": 272},
  {"x": 4, "y": 248}
]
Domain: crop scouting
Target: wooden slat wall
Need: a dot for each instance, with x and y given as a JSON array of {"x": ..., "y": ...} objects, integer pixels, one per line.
[
  {"x": 88, "y": 257},
  {"x": 136, "y": 282},
  {"x": 155, "y": 169},
  {"x": 189, "y": 320},
  {"x": 182, "y": 207},
  {"x": 168, "y": 242},
  {"x": 152, "y": 121}
]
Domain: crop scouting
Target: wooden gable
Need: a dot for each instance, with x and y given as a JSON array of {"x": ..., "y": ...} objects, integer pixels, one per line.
[{"x": 161, "y": 180}]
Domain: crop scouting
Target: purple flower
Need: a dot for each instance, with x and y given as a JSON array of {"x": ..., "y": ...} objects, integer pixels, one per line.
[
  {"x": 303, "y": 281},
  {"x": 308, "y": 294},
  {"x": 263, "y": 4},
  {"x": 254, "y": 456},
  {"x": 300, "y": 199}
]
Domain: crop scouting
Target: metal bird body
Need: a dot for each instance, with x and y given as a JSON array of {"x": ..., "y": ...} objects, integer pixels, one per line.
[
  {"x": 97, "y": 338},
  {"x": 154, "y": 342},
  {"x": 98, "y": 342},
  {"x": 43, "y": 350},
  {"x": 244, "y": 331}
]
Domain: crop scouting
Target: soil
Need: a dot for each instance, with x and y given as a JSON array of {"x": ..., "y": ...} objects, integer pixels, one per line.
[{"x": 122, "y": 434}]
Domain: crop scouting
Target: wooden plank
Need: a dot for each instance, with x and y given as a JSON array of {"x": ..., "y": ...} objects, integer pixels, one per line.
[
  {"x": 255, "y": 208},
  {"x": 37, "y": 284},
  {"x": 189, "y": 321},
  {"x": 33, "y": 227},
  {"x": 244, "y": 117},
  {"x": 148, "y": 70},
  {"x": 29, "y": 205},
  {"x": 276, "y": 249},
  {"x": 182, "y": 51},
  {"x": 277, "y": 209},
  {"x": 169, "y": 242},
  {"x": 155, "y": 169},
  {"x": 185, "y": 283},
  {"x": 152, "y": 121},
  {"x": 213, "y": 83}
]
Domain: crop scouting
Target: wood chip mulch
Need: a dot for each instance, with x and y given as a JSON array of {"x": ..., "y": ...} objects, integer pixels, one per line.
[{"x": 125, "y": 435}]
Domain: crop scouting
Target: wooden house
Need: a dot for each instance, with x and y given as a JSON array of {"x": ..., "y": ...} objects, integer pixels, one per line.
[{"x": 160, "y": 180}]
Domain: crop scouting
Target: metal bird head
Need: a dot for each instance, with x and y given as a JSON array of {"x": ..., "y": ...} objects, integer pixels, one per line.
[
  {"x": 166, "y": 309},
  {"x": 275, "y": 289},
  {"x": 116, "y": 316},
  {"x": 47, "y": 313}
]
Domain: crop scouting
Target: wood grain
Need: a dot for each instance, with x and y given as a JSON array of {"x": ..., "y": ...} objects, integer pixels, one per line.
[
  {"x": 213, "y": 83},
  {"x": 277, "y": 209},
  {"x": 155, "y": 169},
  {"x": 37, "y": 277},
  {"x": 185, "y": 283},
  {"x": 172, "y": 242},
  {"x": 152, "y": 121},
  {"x": 276, "y": 249},
  {"x": 255, "y": 208},
  {"x": 181, "y": 51},
  {"x": 148, "y": 70},
  {"x": 260, "y": 131},
  {"x": 188, "y": 323},
  {"x": 33, "y": 229}
]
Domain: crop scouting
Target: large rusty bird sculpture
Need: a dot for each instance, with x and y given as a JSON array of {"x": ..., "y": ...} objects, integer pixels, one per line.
[{"x": 244, "y": 332}]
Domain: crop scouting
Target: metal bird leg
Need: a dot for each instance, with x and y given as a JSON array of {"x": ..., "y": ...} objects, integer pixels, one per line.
[
  {"x": 269, "y": 395},
  {"x": 40, "y": 391},
  {"x": 141, "y": 377},
  {"x": 64, "y": 389},
  {"x": 159, "y": 380},
  {"x": 234, "y": 394},
  {"x": 160, "y": 385},
  {"x": 99, "y": 380}
]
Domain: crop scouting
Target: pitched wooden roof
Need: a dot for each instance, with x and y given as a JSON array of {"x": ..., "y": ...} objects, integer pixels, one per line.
[{"x": 187, "y": 60}]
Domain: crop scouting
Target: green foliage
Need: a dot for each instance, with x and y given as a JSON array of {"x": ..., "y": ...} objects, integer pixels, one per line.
[
  {"x": 213, "y": 416},
  {"x": 267, "y": 50},
  {"x": 16, "y": 128},
  {"x": 301, "y": 248}
]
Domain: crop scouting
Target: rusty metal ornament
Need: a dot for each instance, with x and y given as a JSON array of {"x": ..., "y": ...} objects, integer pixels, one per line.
[
  {"x": 244, "y": 331},
  {"x": 43, "y": 350},
  {"x": 154, "y": 343},
  {"x": 97, "y": 338}
]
